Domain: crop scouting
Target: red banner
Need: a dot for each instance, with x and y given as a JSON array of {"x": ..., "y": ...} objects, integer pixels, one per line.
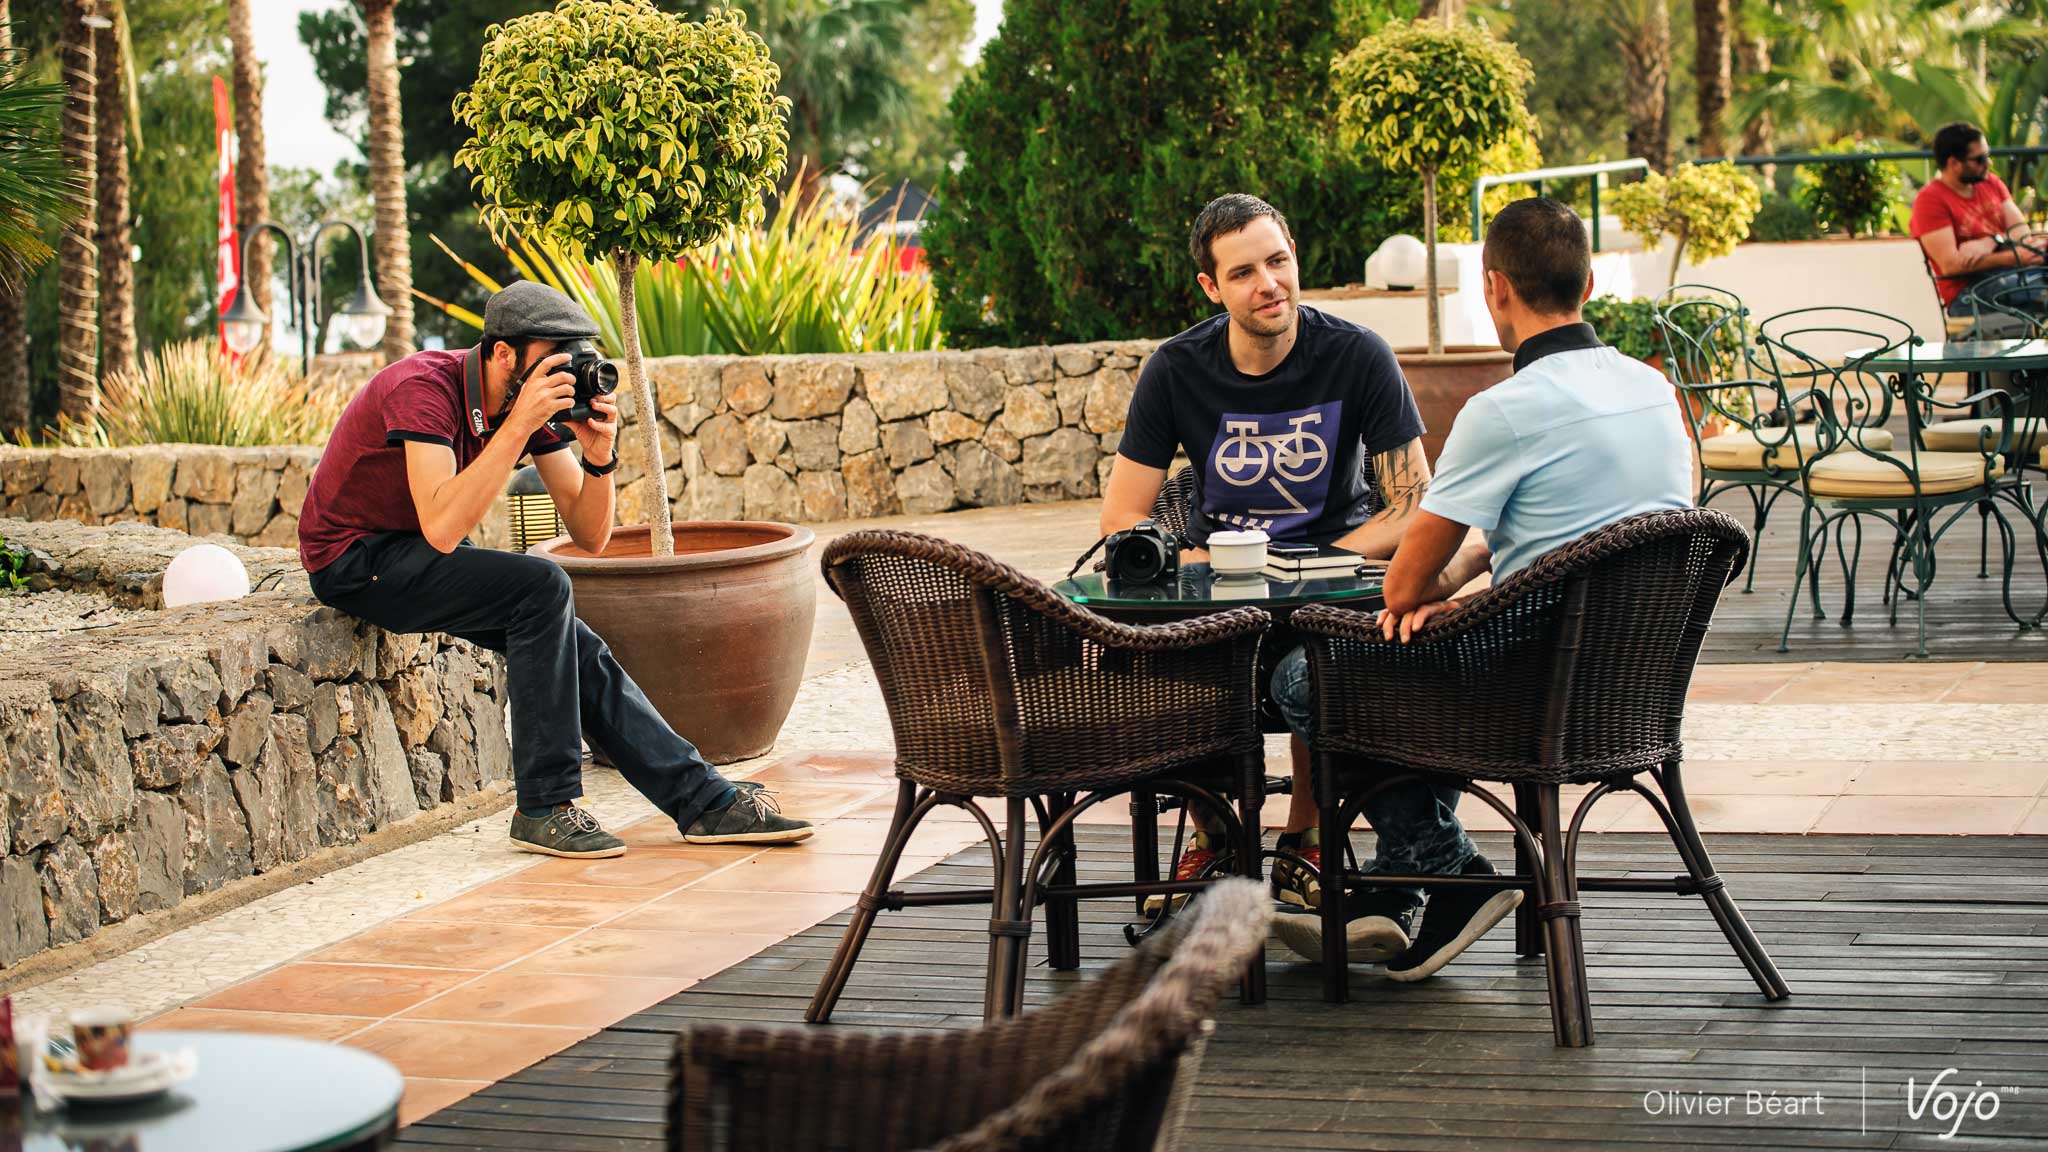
[{"x": 230, "y": 270}]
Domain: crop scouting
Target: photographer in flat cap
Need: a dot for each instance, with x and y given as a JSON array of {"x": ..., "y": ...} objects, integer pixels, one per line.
[{"x": 413, "y": 466}]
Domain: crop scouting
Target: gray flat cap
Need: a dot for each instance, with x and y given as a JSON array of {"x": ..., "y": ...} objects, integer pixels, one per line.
[{"x": 531, "y": 310}]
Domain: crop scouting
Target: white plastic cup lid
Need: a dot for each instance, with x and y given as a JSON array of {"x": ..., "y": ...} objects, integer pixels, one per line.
[{"x": 1246, "y": 536}]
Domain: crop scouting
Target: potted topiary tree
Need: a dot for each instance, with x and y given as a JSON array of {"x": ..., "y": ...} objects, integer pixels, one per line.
[
  {"x": 1423, "y": 97},
  {"x": 624, "y": 132},
  {"x": 1704, "y": 208}
]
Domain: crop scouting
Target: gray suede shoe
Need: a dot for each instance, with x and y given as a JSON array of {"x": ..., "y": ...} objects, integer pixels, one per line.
[
  {"x": 568, "y": 831},
  {"x": 752, "y": 817}
]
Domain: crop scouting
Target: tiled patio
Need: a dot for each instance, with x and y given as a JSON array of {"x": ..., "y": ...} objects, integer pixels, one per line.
[{"x": 463, "y": 961}]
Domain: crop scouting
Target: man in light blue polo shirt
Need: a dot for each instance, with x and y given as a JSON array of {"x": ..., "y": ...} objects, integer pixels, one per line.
[{"x": 1579, "y": 437}]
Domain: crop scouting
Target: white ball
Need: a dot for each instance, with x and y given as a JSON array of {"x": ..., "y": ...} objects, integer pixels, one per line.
[
  {"x": 1403, "y": 261},
  {"x": 202, "y": 573}
]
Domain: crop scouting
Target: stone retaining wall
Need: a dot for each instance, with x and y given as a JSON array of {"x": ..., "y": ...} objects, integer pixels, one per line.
[
  {"x": 164, "y": 757},
  {"x": 793, "y": 438}
]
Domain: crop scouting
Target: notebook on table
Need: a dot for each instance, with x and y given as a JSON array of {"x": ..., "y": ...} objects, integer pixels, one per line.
[{"x": 1309, "y": 561}]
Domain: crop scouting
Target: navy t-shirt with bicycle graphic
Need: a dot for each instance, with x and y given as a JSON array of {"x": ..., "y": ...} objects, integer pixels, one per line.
[{"x": 1288, "y": 452}]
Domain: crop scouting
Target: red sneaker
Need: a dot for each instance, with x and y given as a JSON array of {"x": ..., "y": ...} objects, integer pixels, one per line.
[
  {"x": 1299, "y": 884},
  {"x": 1197, "y": 860}
]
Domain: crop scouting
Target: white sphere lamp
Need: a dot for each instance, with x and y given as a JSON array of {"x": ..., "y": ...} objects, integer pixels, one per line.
[
  {"x": 1402, "y": 263},
  {"x": 203, "y": 573}
]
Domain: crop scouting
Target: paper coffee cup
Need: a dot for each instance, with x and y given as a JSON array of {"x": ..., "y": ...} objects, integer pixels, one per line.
[{"x": 1237, "y": 552}]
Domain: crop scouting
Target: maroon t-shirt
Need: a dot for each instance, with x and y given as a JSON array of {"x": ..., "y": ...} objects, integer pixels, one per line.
[{"x": 359, "y": 488}]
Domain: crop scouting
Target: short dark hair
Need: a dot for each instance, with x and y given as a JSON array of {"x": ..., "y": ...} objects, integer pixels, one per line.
[
  {"x": 1540, "y": 245},
  {"x": 1221, "y": 217},
  {"x": 1952, "y": 141}
]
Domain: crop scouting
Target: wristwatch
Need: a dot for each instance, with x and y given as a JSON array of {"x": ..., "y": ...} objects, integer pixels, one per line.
[{"x": 605, "y": 469}]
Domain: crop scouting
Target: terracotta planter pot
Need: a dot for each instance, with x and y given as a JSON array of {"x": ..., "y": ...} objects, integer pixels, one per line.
[
  {"x": 716, "y": 635},
  {"x": 1443, "y": 383}
]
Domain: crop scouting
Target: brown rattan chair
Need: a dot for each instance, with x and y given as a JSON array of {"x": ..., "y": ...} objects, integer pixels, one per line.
[
  {"x": 1105, "y": 1068},
  {"x": 997, "y": 688},
  {"x": 1572, "y": 671}
]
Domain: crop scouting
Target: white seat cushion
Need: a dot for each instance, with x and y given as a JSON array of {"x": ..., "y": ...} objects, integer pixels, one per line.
[
  {"x": 1963, "y": 435},
  {"x": 1855, "y": 475},
  {"x": 1743, "y": 450}
]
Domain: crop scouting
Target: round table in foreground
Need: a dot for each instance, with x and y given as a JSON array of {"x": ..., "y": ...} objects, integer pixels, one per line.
[
  {"x": 1198, "y": 590},
  {"x": 251, "y": 1093}
]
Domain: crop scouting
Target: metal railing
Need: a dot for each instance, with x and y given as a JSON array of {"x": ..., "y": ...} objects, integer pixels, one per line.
[
  {"x": 2026, "y": 154},
  {"x": 1536, "y": 177}
]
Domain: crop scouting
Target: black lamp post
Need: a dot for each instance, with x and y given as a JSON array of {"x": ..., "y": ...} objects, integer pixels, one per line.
[{"x": 243, "y": 325}]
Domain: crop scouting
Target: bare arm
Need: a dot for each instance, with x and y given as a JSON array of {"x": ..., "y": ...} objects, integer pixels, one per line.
[
  {"x": 1967, "y": 258},
  {"x": 1132, "y": 489},
  {"x": 585, "y": 502},
  {"x": 1433, "y": 563},
  {"x": 451, "y": 504},
  {"x": 1402, "y": 475}
]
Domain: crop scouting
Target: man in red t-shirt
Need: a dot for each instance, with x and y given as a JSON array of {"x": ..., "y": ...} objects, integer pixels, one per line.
[
  {"x": 412, "y": 467},
  {"x": 1974, "y": 237}
]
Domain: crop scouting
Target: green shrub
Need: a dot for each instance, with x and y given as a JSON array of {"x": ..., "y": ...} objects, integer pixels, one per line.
[
  {"x": 1783, "y": 218},
  {"x": 1627, "y": 326},
  {"x": 796, "y": 284},
  {"x": 13, "y": 567},
  {"x": 1093, "y": 133},
  {"x": 1705, "y": 208},
  {"x": 1859, "y": 197},
  {"x": 189, "y": 393}
]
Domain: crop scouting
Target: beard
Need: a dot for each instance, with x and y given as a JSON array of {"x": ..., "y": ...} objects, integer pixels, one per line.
[
  {"x": 1975, "y": 177},
  {"x": 1259, "y": 325}
]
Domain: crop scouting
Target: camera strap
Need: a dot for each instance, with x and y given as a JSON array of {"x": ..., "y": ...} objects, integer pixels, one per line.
[
  {"x": 473, "y": 395},
  {"x": 1092, "y": 550}
]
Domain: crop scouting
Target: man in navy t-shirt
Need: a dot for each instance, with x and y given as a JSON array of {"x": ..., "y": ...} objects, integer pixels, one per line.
[
  {"x": 413, "y": 465},
  {"x": 1297, "y": 423}
]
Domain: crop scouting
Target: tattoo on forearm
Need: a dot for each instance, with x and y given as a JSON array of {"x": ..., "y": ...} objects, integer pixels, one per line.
[{"x": 1403, "y": 476}]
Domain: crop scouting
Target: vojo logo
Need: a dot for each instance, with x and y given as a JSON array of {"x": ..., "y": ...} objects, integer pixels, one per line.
[{"x": 1947, "y": 1107}]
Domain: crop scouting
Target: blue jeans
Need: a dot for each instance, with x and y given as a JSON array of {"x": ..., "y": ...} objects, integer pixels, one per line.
[{"x": 1415, "y": 825}]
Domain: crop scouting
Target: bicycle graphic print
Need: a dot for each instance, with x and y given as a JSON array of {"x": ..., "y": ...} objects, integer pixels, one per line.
[{"x": 1271, "y": 470}]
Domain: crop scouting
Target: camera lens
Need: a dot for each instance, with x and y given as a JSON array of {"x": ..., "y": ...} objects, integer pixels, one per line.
[
  {"x": 1141, "y": 560},
  {"x": 604, "y": 378}
]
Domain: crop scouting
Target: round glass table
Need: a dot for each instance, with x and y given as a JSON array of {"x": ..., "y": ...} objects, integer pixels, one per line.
[
  {"x": 1199, "y": 589},
  {"x": 1958, "y": 356},
  {"x": 251, "y": 1093}
]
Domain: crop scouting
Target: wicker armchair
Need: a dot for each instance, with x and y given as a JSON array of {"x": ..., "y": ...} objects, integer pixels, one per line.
[
  {"x": 1105, "y": 1068},
  {"x": 1572, "y": 671},
  {"x": 999, "y": 689}
]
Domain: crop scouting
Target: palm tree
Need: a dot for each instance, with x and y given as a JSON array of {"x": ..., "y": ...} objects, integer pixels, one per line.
[
  {"x": 78, "y": 275},
  {"x": 33, "y": 186},
  {"x": 1711, "y": 69},
  {"x": 1445, "y": 11},
  {"x": 1642, "y": 31},
  {"x": 841, "y": 69},
  {"x": 1752, "y": 62},
  {"x": 110, "y": 132},
  {"x": 387, "y": 177},
  {"x": 252, "y": 176}
]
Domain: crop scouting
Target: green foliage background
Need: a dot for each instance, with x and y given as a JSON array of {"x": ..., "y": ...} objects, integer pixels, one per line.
[{"x": 1095, "y": 130}]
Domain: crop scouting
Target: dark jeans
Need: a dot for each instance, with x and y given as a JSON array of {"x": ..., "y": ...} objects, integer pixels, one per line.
[{"x": 563, "y": 680}]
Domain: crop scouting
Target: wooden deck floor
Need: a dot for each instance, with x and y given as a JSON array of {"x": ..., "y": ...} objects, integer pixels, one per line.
[
  {"x": 1907, "y": 956},
  {"x": 1965, "y": 617}
]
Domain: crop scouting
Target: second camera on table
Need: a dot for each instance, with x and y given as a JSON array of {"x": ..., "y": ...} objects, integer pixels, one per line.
[{"x": 1141, "y": 554}]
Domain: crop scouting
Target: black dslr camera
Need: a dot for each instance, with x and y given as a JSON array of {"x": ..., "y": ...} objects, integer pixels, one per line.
[
  {"x": 1141, "y": 554},
  {"x": 595, "y": 376}
]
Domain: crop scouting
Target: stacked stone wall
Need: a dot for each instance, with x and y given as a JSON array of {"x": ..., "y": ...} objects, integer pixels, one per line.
[{"x": 155, "y": 760}]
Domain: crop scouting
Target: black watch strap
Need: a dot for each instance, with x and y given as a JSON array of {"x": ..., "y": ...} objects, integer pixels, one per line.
[{"x": 601, "y": 469}]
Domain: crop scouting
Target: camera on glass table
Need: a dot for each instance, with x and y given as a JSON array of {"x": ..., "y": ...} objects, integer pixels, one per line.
[{"x": 1141, "y": 554}]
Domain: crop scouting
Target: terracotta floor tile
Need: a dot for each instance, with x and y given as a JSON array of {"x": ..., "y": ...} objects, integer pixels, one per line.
[
  {"x": 459, "y": 1051},
  {"x": 829, "y": 767},
  {"x": 426, "y": 1097},
  {"x": 882, "y": 805},
  {"x": 1922, "y": 815},
  {"x": 697, "y": 910},
  {"x": 795, "y": 870},
  {"x": 662, "y": 955},
  {"x": 429, "y": 944},
  {"x": 271, "y": 1023},
  {"x": 1741, "y": 683},
  {"x": 2001, "y": 684},
  {"x": 1715, "y": 814},
  {"x": 1873, "y": 683},
  {"x": 336, "y": 989},
  {"x": 1769, "y": 777},
  {"x": 660, "y": 871},
  {"x": 552, "y": 905},
  {"x": 588, "y": 1002},
  {"x": 1950, "y": 778},
  {"x": 2036, "y": 822},
  {"x": 816, "y": 802},
  {"x": 657, "y": 836}
]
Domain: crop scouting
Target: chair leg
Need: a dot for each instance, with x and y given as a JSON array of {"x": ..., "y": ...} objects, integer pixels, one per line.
[
  {"x": 871, "y": 898},
  {"x": 1336, "y": 839},
  {"x": 1144, "y": 840},
  {"x": 1528, "y": 929},
  {"x": 1693, "y": 851},
  {"x": 1250, "y": 802},
  {"x": 1009, "y": 929},
  {"x": 1062, "y": 913},
  {"x": 1571, "y": 1012}
]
